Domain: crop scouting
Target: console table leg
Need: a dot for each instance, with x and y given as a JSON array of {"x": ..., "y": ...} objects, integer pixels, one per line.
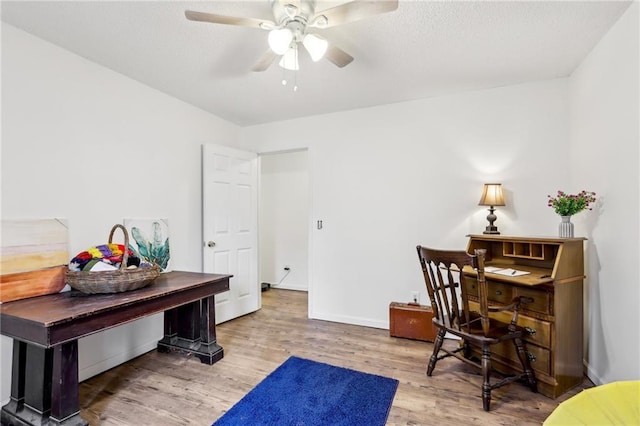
[
  {"x": 170, "y": 330},
  {"x": 181, "y": 328},
  {"x": 210, "y": 351},
  {"x": 38, "y": 381},
  {"x": 191, "y": 328},
  {"x": 51, "y": 377},
  {"x": 18, "y": 368},
  {"x": 65, "y": 398}
]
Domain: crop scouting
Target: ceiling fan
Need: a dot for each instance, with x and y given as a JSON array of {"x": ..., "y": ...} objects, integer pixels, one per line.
[{"x": 293, "y": 25}]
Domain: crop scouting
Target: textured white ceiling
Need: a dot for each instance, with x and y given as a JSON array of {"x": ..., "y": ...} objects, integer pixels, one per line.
[{"x": 421, "y": 50}]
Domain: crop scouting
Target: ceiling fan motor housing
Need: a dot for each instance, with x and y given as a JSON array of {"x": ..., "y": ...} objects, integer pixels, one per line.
[{"x": 285, "y": 11}]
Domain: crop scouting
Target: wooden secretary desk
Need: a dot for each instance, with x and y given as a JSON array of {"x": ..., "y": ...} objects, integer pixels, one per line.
[{"x": 554, "y": 320}]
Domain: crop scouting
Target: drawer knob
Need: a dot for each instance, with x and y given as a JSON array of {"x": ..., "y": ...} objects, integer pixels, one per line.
[
  {"x": 530, "y": 330},
  {"x": 531, "y": 357},
  {"x": 498, "y": 292}
]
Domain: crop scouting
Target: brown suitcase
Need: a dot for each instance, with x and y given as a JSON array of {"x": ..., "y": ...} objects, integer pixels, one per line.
[{"x": 411, "y": 321}]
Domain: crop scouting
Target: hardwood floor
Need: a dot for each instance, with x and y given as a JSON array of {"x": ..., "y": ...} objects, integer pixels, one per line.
[{"x": 174, "y": 389}]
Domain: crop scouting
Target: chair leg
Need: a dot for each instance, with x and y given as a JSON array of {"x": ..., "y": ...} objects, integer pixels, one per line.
[
  {"x": 466, "y": 350},
  {"x": 436, "y": 348},
  {"x": 526, "y": 365},
  {"x": 486, "y": 376}
]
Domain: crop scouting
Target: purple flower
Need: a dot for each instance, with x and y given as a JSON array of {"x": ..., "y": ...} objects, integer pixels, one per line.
[{"x": 570, "y": 204}]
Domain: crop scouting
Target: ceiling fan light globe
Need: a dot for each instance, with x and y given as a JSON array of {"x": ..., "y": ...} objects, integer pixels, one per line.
[
  {"x": 316, "y": 46},
  {"x": 289, "y": 60},
  {"x": 280, "y": 40}
]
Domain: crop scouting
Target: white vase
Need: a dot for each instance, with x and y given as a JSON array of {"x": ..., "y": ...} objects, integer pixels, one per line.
[{"x": 565, "y": 229}]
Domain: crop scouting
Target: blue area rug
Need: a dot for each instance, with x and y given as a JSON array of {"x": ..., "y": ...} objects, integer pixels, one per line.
[{"x": 308, "y": 393}]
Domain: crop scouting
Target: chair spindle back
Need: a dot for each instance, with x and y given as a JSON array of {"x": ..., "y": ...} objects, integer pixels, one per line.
[{"x": 443, "y": 276}]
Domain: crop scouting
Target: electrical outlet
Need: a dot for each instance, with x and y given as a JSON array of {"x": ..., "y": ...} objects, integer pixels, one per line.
[{"x": 415, "y": 296}]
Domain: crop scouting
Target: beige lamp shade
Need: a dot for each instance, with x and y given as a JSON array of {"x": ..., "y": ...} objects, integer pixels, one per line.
[{"x": 492, "y": 195}]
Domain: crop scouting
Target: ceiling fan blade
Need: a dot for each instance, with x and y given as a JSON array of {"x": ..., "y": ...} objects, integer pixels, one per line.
[
  {"x": 337, "y": 56},
  {"x": 265, "y": 61},
  {"x": 227, "y": 20},
  {"x": 352, "y": 11}
]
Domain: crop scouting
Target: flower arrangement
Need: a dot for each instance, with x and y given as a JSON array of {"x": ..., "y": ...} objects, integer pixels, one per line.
[{"x": 569, "y": 204}]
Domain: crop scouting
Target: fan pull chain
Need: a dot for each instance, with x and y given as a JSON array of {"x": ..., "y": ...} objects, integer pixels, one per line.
[
  {"x": 295, "y": 73},
  {"x": 288, "y": 67},
  {"x": 295, "y": 79},
  {"x": 284, "y": 76}
]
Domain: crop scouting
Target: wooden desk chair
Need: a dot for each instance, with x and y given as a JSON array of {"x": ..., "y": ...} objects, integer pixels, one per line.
[{"x": 441, "y": 269}]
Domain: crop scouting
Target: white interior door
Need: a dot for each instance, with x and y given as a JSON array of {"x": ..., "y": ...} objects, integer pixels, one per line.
[{"x": 230, "y": 227}]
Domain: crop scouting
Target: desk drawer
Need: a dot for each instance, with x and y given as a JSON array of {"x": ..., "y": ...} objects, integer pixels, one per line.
[
  {"x": 497, "y": 292},
  {"x": 539, "y": 358},
  {"x": 536, "y": 331},
  {"x": 542, "y": 300}
]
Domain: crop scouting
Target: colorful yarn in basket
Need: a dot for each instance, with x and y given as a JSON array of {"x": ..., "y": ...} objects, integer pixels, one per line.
[{"x": 107, "y": 253}]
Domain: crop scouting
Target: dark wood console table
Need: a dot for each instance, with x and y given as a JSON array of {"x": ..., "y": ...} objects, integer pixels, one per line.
[{"x": 46, "y": 329}]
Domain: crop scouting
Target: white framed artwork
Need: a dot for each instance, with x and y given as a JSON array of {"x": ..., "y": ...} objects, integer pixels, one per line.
[{"x": 150, "y": 239}]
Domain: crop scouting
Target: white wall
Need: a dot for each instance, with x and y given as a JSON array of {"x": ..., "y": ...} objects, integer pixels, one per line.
[
  {"x": 84, "y": 143},
  {"x": 284, "y": 219},
  {"x": 604, "y": 142},
  {"x": 388, "y": 178}
]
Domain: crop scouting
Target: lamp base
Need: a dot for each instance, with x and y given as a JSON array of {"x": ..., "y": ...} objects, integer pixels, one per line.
[{"x": 491, "y": 228}]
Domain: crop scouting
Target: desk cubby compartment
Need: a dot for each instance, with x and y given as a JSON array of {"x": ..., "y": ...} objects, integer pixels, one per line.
[{"x": 524, "y": 250}]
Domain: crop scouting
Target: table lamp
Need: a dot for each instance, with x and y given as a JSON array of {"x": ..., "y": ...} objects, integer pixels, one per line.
[{"x": 492, "y": 196}]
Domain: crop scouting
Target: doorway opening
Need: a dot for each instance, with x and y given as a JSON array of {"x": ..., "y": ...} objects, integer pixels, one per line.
[{"x": 283, "y": 217}]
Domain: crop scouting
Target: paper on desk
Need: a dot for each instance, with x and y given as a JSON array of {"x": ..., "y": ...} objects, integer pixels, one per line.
[{"x": 505, "y": 271}]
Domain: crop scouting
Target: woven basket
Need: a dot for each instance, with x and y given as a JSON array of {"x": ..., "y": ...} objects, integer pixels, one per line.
[{"x": 123, "y": 279}]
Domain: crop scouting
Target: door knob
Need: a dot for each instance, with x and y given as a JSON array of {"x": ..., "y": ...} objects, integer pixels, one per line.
[{"x": 211, "y": 244}]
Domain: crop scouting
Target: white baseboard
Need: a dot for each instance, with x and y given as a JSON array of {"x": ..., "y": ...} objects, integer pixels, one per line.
[
  {"x": 591, "y": 374},
  {"x": 365, "y": 322},
  {"x": 290, "y": 287}
]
